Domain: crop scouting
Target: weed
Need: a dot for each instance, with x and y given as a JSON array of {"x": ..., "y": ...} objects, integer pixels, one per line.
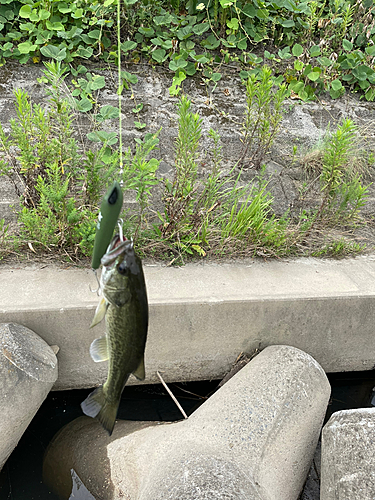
[
  {"x": 262, "y": 117},
  {"x": 339, "y": 248},
  {"x": 4, "y": 238},
  {"x": 338, "y": 165},
  {"x": 342, "y": 190},
  {"x": 139, "y": 174}
]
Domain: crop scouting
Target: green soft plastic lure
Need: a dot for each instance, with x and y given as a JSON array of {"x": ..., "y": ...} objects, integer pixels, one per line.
[{"x": 110, "y": 209}]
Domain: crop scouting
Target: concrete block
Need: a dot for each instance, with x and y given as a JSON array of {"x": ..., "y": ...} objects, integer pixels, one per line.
[
  {"x": 202, "y": 316},
  {"x": 254, "y": 439},
  {"x": 28, "y": 370},
  {"x": 348, "y": 456}
]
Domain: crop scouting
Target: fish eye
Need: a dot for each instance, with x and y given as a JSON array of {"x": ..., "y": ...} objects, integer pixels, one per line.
[{"x": 123, "y": 268}]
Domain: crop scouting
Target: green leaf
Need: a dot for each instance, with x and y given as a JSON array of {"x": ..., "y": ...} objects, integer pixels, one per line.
[
  {"x": 24, "y": 59},
  {"x": 190, "y": 69},
  {"x": 370, "y": 94},
  {"x": 79, "y": 70},
  {"x": 77, "y": 14},
  {"x": 176, "y": 83},
  {"x": 43, "y": 14},
  {"x": 200, "y": 58},
  {"x": 108, "y": 138},
  {"x": 83, "y": 52},
  {"x": 26, "y": 47},
  {"x": 364, "y": 84},
  {"x": 263, "y": 14},
  {"x": 285, "y": 53},
  {"x": 242, "y": 44},
  {"x": 25, "y": 11},
  {"x": 177, "y": 63},
  {"x": 297, "y": 50},
  {"x": 324, "y": 61},
  {"x": 189, "y": 45},
  {"x": 139, "y": 125},
  {"x": 335, "y": 93},
  {"x": 313, "y": 76},
  {"x": 83, "y": 105},
  {"x": 64, "y": 8},
  {"x": 146, "y": 31},
  {"x": 298, "y": 65},
  {"x": 279, "y": 80},
  {"x": 128, "y": 45},
  {"x": 370, "y": 50},
  {"x": 184, "y": 32},
  {"x": 288, "y": 23},
  {"x": 211, "y": 42},
  {"x": 336, "y": 84},
  {"x": 268, "y": 55},
  {"x": 98, "y": 82},
  {"x": 107, "y": 112},
  {"x": 199, "y": 29},
  {"x": 226, "y": 3},
  {"x": 138, "y": 108},
  {"x": 129, "y": 77},
  {"x": 199, "y": 250},
  {"x": 163, "y": 20},
  {"x": 315, "y": 51},
  {"x": 215, "y": 77},
  {"x": 53, "y": 52},
  {"x": 159, "y": 55},
  {"x": 54, "y": 26},
  {"x": 296, "y": 86},
  {"x": 347, "y": 45},
  {"x": 303, "y": 95},
  {"x": 94, "y": 34},
  {"x": 249, "y": 10},
  {"x": 233, "y": 24}
]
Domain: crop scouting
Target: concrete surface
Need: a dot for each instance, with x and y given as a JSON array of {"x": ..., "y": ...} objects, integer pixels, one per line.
[
  {"x": 254, "y": 439},
  {"x": 203, "y": 316},
  {"x": 28, "y": 370},
  {"x": 348, "y": 456}
]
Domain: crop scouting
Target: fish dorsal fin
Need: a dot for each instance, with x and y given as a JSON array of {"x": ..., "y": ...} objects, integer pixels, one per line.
[
  {"x": 139, "y": 373},
  {"x": 99, "y": 349},
  {"x": 100, "y": 312}
]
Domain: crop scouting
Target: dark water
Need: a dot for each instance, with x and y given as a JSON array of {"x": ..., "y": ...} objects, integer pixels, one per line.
[{"x": 21, "y": 477}]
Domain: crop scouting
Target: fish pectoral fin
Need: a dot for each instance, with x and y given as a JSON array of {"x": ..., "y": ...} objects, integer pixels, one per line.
[
  {"x": 100, "y": 312},
  {"x": 139, "y": 373},
  {"x": 99, "y": 349}
]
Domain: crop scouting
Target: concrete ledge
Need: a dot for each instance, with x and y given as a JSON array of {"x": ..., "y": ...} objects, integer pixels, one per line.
[{"x": 203, "y": 316}]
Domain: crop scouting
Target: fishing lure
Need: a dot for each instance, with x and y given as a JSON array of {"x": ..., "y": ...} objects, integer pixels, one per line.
[{"x": 110, "y": 209}]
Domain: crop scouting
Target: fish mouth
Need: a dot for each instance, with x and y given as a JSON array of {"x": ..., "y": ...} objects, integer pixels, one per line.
[{"x": 117, "y": 247}]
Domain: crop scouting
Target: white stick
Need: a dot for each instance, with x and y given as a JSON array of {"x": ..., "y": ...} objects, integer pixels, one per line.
[{"x": 172, "y": 395}]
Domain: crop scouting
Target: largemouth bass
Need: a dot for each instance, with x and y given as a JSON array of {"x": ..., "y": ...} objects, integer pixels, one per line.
[{"x": 125, "y": 308}]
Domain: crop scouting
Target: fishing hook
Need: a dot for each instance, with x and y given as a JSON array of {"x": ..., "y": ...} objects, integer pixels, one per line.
[
  {"x": 120, "y": 223},
  {"x": 97, "y": 291}
]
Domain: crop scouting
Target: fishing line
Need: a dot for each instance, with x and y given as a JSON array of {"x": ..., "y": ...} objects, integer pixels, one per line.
[{"x": 119, "y": 91}]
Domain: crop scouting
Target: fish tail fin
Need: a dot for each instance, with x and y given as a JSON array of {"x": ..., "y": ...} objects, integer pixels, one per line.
[{"x": 96, "y": 405}]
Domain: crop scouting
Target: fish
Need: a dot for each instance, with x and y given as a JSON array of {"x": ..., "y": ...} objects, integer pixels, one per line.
[{"x": 124, "y": 306}]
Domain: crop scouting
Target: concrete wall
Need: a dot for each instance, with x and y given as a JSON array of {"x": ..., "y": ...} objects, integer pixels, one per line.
[
  {"x": 203, "y": 316},
  {"x": 304, "y": 124}
]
